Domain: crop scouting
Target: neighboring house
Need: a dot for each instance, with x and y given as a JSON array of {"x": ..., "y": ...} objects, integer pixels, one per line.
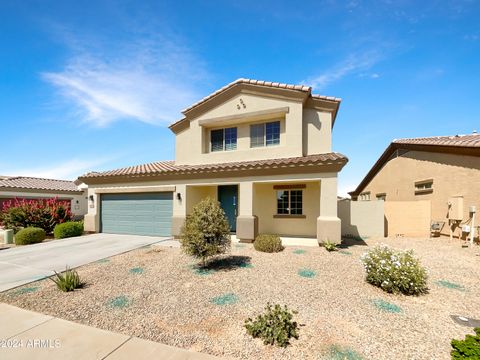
[
  {"x": 262, "y": 149},
  {"x": 32, "y": 188},
  {"x": 442, "y": 172}
]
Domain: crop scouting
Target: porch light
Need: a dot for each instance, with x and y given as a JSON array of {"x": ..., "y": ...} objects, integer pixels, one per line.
[{"x": 179, "y": 196}]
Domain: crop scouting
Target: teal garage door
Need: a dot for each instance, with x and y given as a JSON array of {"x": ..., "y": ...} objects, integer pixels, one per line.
[{"x": 137, "y": 214}]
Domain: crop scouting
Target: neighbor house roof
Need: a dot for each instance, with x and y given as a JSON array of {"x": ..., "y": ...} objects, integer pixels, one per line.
[
  {"x": 456, "y": 144},
  {"x": 160, "y": 168},
  {"x": 32, "y": 183},
  {"x": 307, "y": 90}
]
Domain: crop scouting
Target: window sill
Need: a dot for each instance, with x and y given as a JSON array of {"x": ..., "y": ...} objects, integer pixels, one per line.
[
  {"x": 286, "y": 216},
  {"x": 423, "y": 191}
]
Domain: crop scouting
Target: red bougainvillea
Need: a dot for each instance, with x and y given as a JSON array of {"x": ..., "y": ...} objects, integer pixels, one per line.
[{"x": 43, "y": 213}]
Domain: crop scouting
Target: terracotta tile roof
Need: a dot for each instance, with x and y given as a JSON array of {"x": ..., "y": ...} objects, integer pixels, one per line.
[
  {"x": 302, "y": 88},
  {"x": 471, "y": 140},
  {"x": 169, "y": 167},
  {"x": 32, "y": 183}
]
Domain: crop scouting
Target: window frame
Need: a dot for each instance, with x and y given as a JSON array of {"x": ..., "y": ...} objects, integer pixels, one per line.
[
  {"x": 422, "y": 188},
  {"x": 365, "y": 196},
  {"x": 227, "y": 139},
  {"x": 298, "y": 201},
  {"x": 275, "y": 128}
]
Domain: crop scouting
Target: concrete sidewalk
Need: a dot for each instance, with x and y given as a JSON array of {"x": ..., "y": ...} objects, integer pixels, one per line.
[{"x": 29, "y": 335}]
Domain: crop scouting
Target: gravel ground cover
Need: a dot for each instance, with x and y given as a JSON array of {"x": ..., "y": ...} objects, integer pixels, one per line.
[{"x": 340, "y": 315}]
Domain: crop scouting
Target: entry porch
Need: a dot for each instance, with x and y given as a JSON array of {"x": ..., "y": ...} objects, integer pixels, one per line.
[{"x": 300, "y": 208}]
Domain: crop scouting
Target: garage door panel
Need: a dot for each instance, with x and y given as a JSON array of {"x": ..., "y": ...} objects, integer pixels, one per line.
[{"x": 142, "y": 214}]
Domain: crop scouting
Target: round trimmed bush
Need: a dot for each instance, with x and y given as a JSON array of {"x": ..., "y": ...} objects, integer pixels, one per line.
[
  {"x": 30, "y": 235},
  {"x": 395, "y": 271},
  {"x": 269, "y": 243},
  {"x": 68, "y": 229}
]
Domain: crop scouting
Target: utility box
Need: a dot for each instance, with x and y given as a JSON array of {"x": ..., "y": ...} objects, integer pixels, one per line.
[
  {"x": 8, "y": 236},
  {"x": 455, "y": 208}
]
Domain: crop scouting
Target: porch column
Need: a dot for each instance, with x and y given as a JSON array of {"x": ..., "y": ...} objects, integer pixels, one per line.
[
  {"x": 247, "y": 223},
  {"x": 179, "y": 209},
  {"x": 91, "y": 220},
  {"x": 328, "y": 223}
]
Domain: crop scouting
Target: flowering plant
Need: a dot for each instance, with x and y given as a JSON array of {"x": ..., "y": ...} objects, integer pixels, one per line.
[
  {"x": 395, "y": 271},
  {"x": 42, "y": 213}
]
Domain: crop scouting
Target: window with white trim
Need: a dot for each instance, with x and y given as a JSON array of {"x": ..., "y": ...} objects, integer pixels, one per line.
[{"x": 266, "y": 134}]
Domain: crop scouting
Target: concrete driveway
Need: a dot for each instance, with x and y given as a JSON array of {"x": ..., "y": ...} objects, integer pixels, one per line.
[{"x": 23, "y": 264}]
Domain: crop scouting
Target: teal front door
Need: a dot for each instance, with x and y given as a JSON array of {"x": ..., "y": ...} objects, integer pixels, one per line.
[{"x": 228, "y": 198}]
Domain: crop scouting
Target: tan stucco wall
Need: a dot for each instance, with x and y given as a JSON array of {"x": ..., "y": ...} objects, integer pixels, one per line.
[
  {"x": 301, "y": 132},
  {"x": 265, "y": 206},
  {"x": 263, "y": 194},
  {"x": 197, "y": 193},
  {"x": 408, "y": 218},
  {"x": 452, "y": 175},
  {"x": 78, "y": 201},
  {"x": 362, "y": 218}
]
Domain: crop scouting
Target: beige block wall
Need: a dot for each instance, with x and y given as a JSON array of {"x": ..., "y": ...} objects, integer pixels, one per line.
[
  {"x": 408, "y": 218},
  {"x": 298, "y": 136},
  {"x": 362, "y": 218},
  {"x": 452, "y": 175},
  {"x": 265, "y": 206}
]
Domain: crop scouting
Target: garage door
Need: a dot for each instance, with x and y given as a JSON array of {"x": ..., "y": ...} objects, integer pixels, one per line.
[{"x": 137, "y": 214}]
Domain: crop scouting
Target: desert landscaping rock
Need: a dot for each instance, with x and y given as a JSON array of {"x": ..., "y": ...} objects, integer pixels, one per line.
[{"x": 170, "y": 303}]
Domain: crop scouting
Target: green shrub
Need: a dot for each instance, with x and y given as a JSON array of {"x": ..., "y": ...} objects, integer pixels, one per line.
[
  {"x": 395, "y": 271},
  {"x": 68, "y": 229},
  {"x": 68, "y": 281},
  {"x": 329, "y": 245},
  {"x": 275, "y": 326},
  {"x": 468, "y": 348},
  {"x": 30, "y": 235},
  {"x": 206, "y": 231},
  {"x": 269, "y": 243},
  {"x": 42, "y": 213}
]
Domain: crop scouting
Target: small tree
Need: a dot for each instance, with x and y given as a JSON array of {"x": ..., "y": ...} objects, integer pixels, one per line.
[{"x": 206, "y": 231}]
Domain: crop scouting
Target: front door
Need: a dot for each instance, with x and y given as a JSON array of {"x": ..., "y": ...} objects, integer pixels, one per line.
[{"x": 228, "y": 198}]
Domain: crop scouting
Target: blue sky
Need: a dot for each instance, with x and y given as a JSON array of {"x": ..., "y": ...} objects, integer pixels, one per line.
[{"x": 92, "y": 85}]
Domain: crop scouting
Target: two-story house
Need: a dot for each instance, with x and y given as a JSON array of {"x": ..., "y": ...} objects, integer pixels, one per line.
[{"x": 262, "y": 149}]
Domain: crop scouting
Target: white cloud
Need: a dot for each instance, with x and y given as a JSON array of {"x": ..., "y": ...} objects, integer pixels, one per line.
[
  {"x": 148, "y": 80},
  {"x": 353, "y": 64},
  {"x": 68, "y": 170}
]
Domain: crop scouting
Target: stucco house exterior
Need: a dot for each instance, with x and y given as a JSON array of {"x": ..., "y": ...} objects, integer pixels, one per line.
[
  {"x": 33, "y": 188},
  {"x": 442, "y": 172},
  {"x": 262, "y": 149}
]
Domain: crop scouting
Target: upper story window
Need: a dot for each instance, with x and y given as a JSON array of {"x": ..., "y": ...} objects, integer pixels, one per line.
[
  {"x": 382, "y": 196},
  {"x": 266, "y": 134},
  {"x": 223, "y": 139},
  {"x": 424, "y": 187}
]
